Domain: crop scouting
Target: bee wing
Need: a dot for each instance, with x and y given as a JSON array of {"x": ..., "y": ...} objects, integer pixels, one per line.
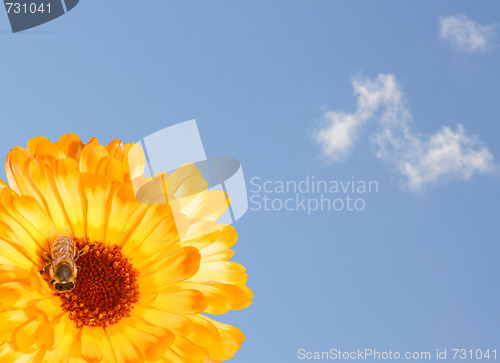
[
  {"x": 66, "y": 232},
  {"x": 52, "y": 236},
  {"x": 55, "y": 234}
]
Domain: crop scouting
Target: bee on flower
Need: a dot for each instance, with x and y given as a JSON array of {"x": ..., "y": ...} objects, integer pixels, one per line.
[{"x": 122, "y": 280}]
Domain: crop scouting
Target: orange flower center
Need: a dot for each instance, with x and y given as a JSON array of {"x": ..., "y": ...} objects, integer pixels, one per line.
[{"x": 106, "y": 287}]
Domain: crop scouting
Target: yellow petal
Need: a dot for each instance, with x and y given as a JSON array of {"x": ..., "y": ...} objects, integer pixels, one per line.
[
  {"x": 156, "y": 216},
  {"x": 49, "y": 308},
  {"x": 45, "y": 335},
  {"x": 125, "y": 350},
  {"x": 135, "y": 160},
  {"x": 65, "y": 336},
  {"x": 185, "y": 181},
  {"x": 226, "y": 238},
  {"x": 90, "y": 347},
  {"x": 49, "y": 152},
  {"x": 178, "y": 324},
  {"x": 241, "y": 296},
  {"x": 219, "y": 301},
  {"x": 92, "y": 154},
  {"x": 35, "y": 219},
  {"x": 71, "y": 145},
  {"x": 211, "y": 207},
  {"x": 116, "y": 149},
  {"x": 231, "y": 340},
  {"x": 19, "y": 296},
  {"x": 204, "y": 205},
  {"x": 179, "y": 266},
  {"x": 8, "y": 355},
  {"x": 16, "y": 167},
  {"x": 113, "y": 169},
  {"x": 12, "y": 215},
  {"x": 25, "y": 337},
  {"x": 172, "y": 357},
  {"x": 204, "y": 333},
  {"x": 125, "y": 214},
  {"x": 151, "y": 251},
  {"x": 221, "y": 256},
  {"x": 151, "y": 339},
  {"x": 11, "y": 321},
  {"x": 43, "y": 179},
  {"x": 201, "y": 234},
  {"x": 96, "y": 189},
  {"x": 181, "y": 302},
  {"x": 33, "y": 143},
  {"x": 67, "y": 178},
  {"x": 96, "y": 346},
  {"x": 17, "y": 237},
  {"x": 221, "y": 271},
  {"x": 12, "y": 258},
  {"x": 151, "y": 190},
  {"x": 150, "y": 242},
  {"x": 189, "y": 351}
]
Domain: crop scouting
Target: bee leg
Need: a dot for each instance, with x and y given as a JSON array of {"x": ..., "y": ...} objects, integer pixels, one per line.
[
  {"x": 45, "y": 269},
  {"x": 47, "y": 256},
  {"x": 84, "y": 250}
]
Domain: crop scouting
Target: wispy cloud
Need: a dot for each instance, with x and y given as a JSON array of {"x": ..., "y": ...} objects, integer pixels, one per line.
[
  {"x": 341, "y": 131},
  {"x": 465, "y": 34},
  {"x": 421, "y": 160}
]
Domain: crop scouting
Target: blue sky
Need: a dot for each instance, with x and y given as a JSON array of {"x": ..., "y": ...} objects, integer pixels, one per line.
[{"x": 417, "y": 269}]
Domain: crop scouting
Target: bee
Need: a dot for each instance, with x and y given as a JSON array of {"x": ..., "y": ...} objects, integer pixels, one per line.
[{"x": 62, "y": 257}]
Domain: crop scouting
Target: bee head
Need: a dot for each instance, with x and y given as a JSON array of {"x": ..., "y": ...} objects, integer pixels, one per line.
[{"x": 64, "y": 287}]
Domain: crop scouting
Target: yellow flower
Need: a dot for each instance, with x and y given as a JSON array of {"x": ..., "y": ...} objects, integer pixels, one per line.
[{"x": 154, "y": 269}]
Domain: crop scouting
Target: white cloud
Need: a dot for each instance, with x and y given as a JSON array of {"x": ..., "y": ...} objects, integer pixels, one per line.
[
  {"x": 341, "y": 131},
  {"x": 465, "y": 34},
  {"x": 444, "y": 156},
  {"x": 339, "y": 136},
  {"x": 421, "y": 160}
]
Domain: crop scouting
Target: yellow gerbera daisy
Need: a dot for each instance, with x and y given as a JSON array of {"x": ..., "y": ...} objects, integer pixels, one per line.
[{"x": 152, "y": 271}]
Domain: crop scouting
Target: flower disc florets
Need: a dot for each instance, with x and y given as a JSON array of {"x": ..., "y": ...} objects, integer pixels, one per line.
[{"x": 106, "y": 287}]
